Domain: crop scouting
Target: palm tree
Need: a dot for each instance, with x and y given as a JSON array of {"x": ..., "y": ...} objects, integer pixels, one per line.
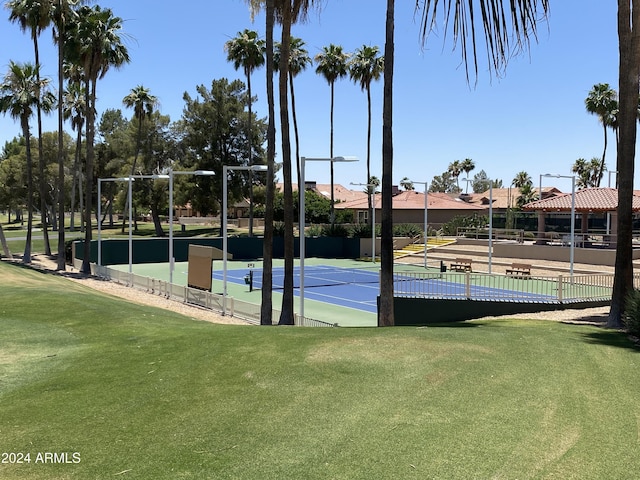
[
  {"x": 455, "y": 169},
  {"x": 247, "y": 51},
  {"x": 602, "y": 102},
  {"x": 95, "y": 44},
  {"x": 35, "y": 16},
  {"x": 20, "y": 94},
  {"x": 332, "y": 65},
  {"x": 365, "y": 67},
  {"x": 74, "y": 103},
  {"x": 407, "y": 184},
  {"x": 627, "y": 116},
  {"x": 467, "y": 166},
  {"x": 524, "y": 16},
  {"x": 266, "y": 307},
  {"x": 521, "y": 179},
  {"x": 62, "y": 15},
  {"x": 143, "y": 104},
  {"x": 298, "y": 61},
  {"x": 587, "y": 172}
]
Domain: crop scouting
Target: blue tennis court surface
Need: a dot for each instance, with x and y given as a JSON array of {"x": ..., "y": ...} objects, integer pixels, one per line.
[{"x": 359, "y": 288}]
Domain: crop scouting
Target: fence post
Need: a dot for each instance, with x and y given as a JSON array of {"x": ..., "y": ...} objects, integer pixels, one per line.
[
  {"x": 467, "y": 285},
  {"x": 560, "y": 283}
]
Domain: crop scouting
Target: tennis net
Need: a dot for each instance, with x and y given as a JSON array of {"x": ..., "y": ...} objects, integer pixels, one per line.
[{"x": 322, "y": 276}]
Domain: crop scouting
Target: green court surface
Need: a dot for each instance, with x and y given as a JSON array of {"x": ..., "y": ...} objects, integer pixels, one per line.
[{"x": 326, "y": 312}]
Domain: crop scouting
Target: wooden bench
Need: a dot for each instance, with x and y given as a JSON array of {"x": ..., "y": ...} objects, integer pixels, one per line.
[
  {"x": 461, "y": 265},
  {"x": 519, "y": 270}
]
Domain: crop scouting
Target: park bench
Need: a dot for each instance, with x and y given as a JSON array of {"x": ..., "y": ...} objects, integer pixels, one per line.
[
  {"x": 461, "y": 265},
  {"x": 519, "y": 270}
]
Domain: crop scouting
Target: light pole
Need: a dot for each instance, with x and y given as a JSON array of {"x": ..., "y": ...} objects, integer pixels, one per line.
[
  {"x": 225, "y": 175},
  {"x": 490, "y": 218},
  {"x": 426, "y": 206},
  {"x": 171, "y": 175},
  {"x": 573, "y": 213},
  {"x": 301, "y": 218},
  {"x": 100, "y": 180}
]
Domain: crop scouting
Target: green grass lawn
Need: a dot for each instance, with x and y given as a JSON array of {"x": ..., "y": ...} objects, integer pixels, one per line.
[{"x": 141, "y": 393}]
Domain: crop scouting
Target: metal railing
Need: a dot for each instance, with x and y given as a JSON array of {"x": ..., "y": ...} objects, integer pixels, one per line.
[
  {"x": 505, "y": 288},
  {"x": 193, "y": 296}
]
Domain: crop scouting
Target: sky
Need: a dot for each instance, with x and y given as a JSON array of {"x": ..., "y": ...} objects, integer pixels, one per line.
[{"x": 531, "y": 118}]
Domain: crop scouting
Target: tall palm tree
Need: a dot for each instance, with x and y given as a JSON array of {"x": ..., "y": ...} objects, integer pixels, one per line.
[
  {"x": 62, "y": 14},
  {"x": 75, "y": 109},
  {"x": 298, "y": 61},
  {"x": 266, "y": 307},
  {"x": 95, "y": 44},
  {"x": 366, "y": 66},
  {"x": 627, "y": 116},
  {"x": 20, "y": 94},
  {"x": 332, "y": 65},
  {"x": 455, "y": 169},
  {"x": 286, "y": 12},
  {"x": 386, "y": 313},
  {"x": 524, "y": 17},
  {"x": 35, "y": 16},
  {"x": 143, "y": 104},
  {"x": 467, "y": 165},
  {"x": 247, "y": 51},
  {"x": 602, "y": 101}
]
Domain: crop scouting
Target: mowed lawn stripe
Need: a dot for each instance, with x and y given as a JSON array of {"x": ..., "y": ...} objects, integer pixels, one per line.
[{"x": 158, "y": 395}]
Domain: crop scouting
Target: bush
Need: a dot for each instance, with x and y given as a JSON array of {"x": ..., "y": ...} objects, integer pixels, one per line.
[
  {"x": 336, "y": 231},
  {"x": 278, "y": 229},
  {"x": 632, "y": 313},
  {"x": 360, "y": 230},
  {"x": 314, "y": 231},
  {"x": 410, "y": 230},
  {"x": 451, "y": 227}
]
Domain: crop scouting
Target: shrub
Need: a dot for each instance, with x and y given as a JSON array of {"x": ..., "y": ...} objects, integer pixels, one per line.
[
  {"x": 314, "y": 231},
  {"x": 632, "y": 313},
  {"x": 360, "y": 230},
  {"x": 336, "y": 231},
  {"x": 278, "y": 229},
  {"x": 410, "y": 230}
]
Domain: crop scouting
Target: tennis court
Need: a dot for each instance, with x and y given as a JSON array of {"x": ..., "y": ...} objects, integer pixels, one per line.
[{"x": 345, "y": 291}]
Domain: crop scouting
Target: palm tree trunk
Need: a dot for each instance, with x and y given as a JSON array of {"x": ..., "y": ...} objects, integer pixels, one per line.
[
  {"x": 286, "y": 311},
  {"x": 42, "y": 183},
  {"x": 295, "y": 128},
  {"x": 266, "y": 307},
  {"x": 249, "y": 138},
  {"x": 386, "y": 313},
  {"x": 91, "y": 96},
  {"x": 76, "y": 179},
  {"x": 133, "y": 172},
  {"x": 369, "y": 197},
  {"x": 629, "y": 47},
  {"x": 604, "y": 151},
  {"x": 5, "y": 245},
  {"x": 332, "y": 216},
  {"x": 62, "y": 264},
  {"x": 26, "y": 257}
]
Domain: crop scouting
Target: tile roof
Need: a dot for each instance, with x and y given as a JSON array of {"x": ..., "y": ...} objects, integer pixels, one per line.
[
  {"x": 586, "y": 200},
  {"x": 412, "y": 200}
]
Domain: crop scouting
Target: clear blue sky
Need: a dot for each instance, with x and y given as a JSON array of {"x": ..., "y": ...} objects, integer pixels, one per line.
[{"x": 532, "y": 119}]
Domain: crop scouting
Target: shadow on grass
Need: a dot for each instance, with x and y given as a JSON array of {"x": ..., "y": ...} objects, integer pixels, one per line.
[
  {"x": 612, "y": 338},
  {"x": 458, "y": 324}
]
